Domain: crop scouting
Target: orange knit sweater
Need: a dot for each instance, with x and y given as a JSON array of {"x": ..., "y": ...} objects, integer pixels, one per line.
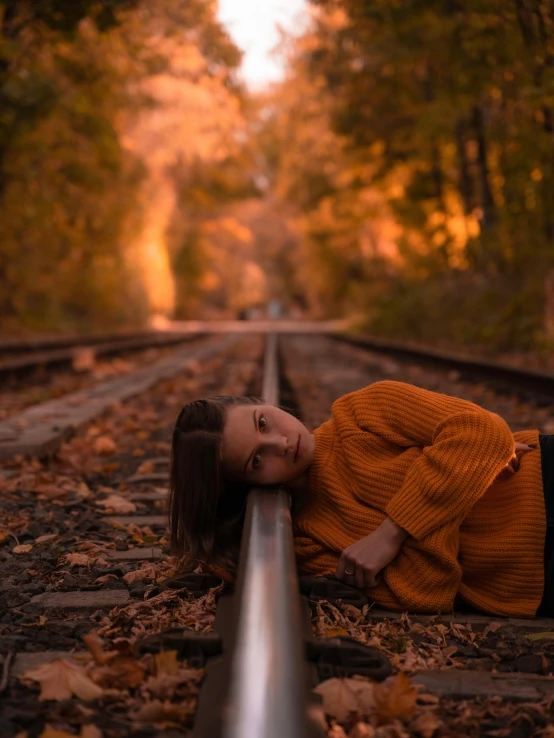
[{"x": 429, "y": 462}]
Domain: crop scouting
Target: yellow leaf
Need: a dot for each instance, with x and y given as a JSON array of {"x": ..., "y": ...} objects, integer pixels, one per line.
[
  {"x": 60, "y": 680},
  {"x": 336, "y": 632},
  {"x": 395, "y": 698},
  {"x": 546, "y": 634},
  {"x": 23, "y": 548}
]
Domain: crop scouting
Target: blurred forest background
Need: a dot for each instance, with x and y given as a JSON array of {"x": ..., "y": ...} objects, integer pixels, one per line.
[{"x": 402, "y": 173}]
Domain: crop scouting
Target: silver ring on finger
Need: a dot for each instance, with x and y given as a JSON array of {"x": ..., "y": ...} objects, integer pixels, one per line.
[{"x": 349, "y": 573}]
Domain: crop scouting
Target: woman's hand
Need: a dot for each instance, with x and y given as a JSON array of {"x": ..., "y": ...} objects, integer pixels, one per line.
[
  {"x": 513, "y": 465},
  {"x": 360, "y": 563}
]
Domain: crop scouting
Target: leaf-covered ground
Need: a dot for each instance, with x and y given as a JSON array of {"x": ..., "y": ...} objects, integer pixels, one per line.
[{"x": 56, "y": 536}]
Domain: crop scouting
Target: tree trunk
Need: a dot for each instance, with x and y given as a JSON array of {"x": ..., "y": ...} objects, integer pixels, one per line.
[
  {"x": 465, "y": 181},
  {"x": 487, "y": 201}
]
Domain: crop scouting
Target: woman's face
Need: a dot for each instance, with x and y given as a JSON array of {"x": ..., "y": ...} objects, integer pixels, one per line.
[{"x": 265, "y": 445}]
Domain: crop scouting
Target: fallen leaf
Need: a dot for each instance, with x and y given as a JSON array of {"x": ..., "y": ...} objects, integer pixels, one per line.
[
  {"x": 77, "y": 559},
  {"x": 43, "y": 539},
  {"x": 147, "y": 467},
  {"x": 50, "y": 732},
  {"x": 336, "y": 632},
  {"x": 105, "y": 578},
  {"x": 336, "y": 731},
  {"x": 395, "y": 698},
  {"x": 84, "y": 492},
  {"x": 52, "y": 491},
  {"x": 166, "y": 663},
  {"x": 122, "y": 672},
  {"x": 42, "y": 620},
  {"x": 547, "y": 634},
  {"x": 140, "y": 575},
  {"x": 90, "y": 731},
  {"x": 60, "y": 680},
  {"x": 104, "y": 446},
  {"x": 425, "y": 724},
  {"x": 344, "y": 696},
  {"x": 96, "y": 647},
  {"x": 161, "y": 712},
  {"x": 117, "y": 504},
  {"x": 362, "y": 730},
  {"x": 23, "y": 548}
]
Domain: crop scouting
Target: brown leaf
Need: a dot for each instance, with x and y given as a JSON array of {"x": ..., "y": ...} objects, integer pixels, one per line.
[
  {"x": 425, "y": 724},
  {"x": 161, "y": 712},
  {"x": 117, "y": 504},
  {"x": 341, "y": 697},
  {"x": 104, "y": 446},
  {"x": 166, "y": 663},
  {"x": 50, "y": 732},
  {"x": 43, "y": 539},
  {"x": 395, "y": 698},
  {"x": 60, "y": 680},
  {"x": 336, "y": 731},
  {"x": 140, "y": 575},
  {"x": 23, "y": 548},
  {"x": 90, "y": 731},
  {"x": 122, "y": 672},
  {"x": 96, "y": 647},
  {"x": 147, "y": 467},
  {"x": 362, "y": 730},
  {"x": 77, "y": 559}
]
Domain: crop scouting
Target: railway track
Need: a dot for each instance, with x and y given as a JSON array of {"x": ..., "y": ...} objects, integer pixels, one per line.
[
  {"x": 93, "y": 519},
  {"x": 19, "y": 360}
]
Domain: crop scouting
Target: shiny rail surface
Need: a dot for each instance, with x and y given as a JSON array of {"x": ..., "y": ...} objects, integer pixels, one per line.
[{"x": 268, "y": 693}]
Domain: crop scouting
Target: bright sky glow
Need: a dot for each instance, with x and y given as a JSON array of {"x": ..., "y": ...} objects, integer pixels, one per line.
[{"x": 253, "y": 27}]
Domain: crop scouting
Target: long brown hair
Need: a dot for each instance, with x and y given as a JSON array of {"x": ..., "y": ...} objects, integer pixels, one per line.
[{"x": 206, "y": 511}]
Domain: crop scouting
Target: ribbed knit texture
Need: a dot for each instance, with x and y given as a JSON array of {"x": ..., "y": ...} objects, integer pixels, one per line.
[{"x": 429, "y": 462}]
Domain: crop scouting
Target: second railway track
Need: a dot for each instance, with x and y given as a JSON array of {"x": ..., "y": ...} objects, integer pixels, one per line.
[{"x": 83, "y": 549}]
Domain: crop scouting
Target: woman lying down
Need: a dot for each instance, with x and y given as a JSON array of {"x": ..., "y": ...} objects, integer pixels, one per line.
[{"x": 418, "y": 498}]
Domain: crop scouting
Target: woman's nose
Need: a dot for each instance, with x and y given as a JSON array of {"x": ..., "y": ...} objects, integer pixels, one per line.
[{"x": 282, "y": 445}]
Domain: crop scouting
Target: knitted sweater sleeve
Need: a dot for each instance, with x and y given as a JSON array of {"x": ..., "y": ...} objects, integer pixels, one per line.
[{"x": 463, "y": 448}]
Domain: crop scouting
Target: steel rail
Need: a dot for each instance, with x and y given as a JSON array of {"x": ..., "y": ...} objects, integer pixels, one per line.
[{"x": 268, "y": 693}]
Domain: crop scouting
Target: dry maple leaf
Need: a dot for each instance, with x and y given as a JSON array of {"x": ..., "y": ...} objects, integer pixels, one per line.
[
  {"x": 362, "y": 730},
  {"x": 425, "y": 724},
  {"x": 117, "y": 504},
  {"x": 87, "y": 731},
  {"x": 146, "y": 467},
  {"x": 161, "y": 712},
  {"x": 60, "y": 680},
  {"x": 96, "y": 647},
  {"x": 395, "y": 698},
  {"x": 336, "y": 731},
  {"x": 104, "y": 446},
  {"x": 341, "y": 697},
  {"x": 43, "y": 539},
  {"x": 22, "y": 548},
  {"x": 140, "y": 575},
  {"x": 77, "y": 559}
]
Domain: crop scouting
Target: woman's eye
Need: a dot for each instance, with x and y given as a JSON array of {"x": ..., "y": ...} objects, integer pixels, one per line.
[
  {"x": 256, "y": 461},
  {"x": 262, "y": 422}
]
